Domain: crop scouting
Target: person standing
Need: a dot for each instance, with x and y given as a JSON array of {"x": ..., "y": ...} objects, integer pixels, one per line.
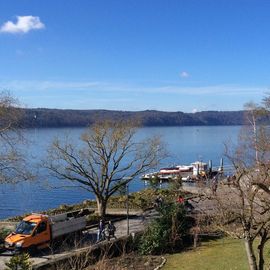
[
  {"x": 101, "y": 230},
  {"x": 111, "y": 230},
  {"x": 214, "y": 185}
]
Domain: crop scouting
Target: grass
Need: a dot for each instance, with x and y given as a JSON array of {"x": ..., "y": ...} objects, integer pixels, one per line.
[{"x": 221, "y": 254}]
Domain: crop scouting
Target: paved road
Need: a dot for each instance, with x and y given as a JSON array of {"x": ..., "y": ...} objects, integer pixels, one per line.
[{"x": 135, "y": 224}]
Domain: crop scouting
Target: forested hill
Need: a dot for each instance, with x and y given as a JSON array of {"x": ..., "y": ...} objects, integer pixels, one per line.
[{"x": 82, "y": 118}]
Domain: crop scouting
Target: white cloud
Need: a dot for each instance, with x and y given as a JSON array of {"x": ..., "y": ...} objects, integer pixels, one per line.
[
  {"x": 184, "y": 74},
  {"x": 113, "y": 95},
  {"x": 194, "y": 110},
  {"x": 213, "y": 90},
  {"x": 99, "y": 86},
  {"x": 23, "y": 25},
  {"x": 24, "y": 85}
]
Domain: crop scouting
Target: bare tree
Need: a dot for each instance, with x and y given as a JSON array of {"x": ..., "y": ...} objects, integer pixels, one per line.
[
  {"x": 108, "y": 157},
  {"x": 244, "y": 205},
  {"x": 12, "y": 160}
]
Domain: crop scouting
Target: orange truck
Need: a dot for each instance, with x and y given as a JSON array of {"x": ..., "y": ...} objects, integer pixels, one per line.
[{"x": 39, "y": 231}]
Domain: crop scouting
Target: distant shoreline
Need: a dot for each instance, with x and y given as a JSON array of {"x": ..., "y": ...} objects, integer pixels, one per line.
[{"x": 45, "y": 118}]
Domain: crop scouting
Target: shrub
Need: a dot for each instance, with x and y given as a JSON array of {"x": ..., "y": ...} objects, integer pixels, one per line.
[
  {"x": 21, "y": 261},
  {"x": 4, "y": 232},
  {"x": 166, "y": 232}
]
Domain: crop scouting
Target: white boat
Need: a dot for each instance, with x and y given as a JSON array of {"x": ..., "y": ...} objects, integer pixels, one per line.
[
  {"x": 183, "y": 171},
  {"x": 176, "y": 170}
]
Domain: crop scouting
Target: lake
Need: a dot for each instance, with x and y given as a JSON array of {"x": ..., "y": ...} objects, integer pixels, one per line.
[{"x": 185, "y": 144}]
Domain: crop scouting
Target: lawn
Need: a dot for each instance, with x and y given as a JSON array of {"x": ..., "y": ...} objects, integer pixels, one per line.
[{"x": 221, "y": 254}]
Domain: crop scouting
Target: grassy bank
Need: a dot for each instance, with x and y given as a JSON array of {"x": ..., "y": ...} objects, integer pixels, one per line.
[{"x": 221, "y": 254}]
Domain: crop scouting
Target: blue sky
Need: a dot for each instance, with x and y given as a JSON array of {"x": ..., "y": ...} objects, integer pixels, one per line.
[{"x": 170, "y": 55}]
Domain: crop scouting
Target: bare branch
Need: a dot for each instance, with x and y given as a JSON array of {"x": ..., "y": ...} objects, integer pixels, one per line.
[{"x": 108, "y": 158}]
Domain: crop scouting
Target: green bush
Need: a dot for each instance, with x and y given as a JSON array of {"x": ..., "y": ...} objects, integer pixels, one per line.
[
  {"x": 21, "y": 262},
  {"x": 4, "y": 232},
  {"x": 166, "y": 232}
]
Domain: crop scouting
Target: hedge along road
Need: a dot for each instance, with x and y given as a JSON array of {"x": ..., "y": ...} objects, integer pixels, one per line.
[{"x": 136, "y": 224}]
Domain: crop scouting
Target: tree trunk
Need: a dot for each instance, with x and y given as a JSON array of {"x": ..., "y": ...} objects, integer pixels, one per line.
[
  {"x": 261, "y": 249},
  {"x": 261, "y": 259},
  {"x": 101, "y": 205},
  {"x": 250, "y": 254}
]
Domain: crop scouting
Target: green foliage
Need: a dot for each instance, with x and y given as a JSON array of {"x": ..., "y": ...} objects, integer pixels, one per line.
[
  {"x": 143, "y": 199},
  {"x": 4, "y": 232},
  {"x": 154, "y": 182},
  {"x": 21, "y": 262},
  {"x": 165, "y": 232},
  {"x": 176, "y": 183}
]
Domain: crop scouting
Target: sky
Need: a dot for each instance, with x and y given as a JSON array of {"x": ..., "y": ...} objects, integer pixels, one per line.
[{"x": 132, "y": 55}]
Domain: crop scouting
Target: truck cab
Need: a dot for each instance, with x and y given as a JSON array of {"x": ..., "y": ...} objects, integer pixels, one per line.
[{"x": 32, "y": 233}]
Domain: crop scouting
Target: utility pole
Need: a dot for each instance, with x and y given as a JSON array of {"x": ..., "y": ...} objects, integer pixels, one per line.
[{"x": 127, "y": 206}]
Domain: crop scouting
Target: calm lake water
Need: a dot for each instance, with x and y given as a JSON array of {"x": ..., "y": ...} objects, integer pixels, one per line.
[{"x": 185, "y": 144}]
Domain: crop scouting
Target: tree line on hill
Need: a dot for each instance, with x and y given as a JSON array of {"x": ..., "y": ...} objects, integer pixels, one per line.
[{"x": 41, "y": 117}]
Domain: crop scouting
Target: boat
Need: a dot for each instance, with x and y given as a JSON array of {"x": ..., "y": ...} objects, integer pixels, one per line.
[
  {"x": 186, "y": 172},
  {"x": 176, "y": 170}
]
